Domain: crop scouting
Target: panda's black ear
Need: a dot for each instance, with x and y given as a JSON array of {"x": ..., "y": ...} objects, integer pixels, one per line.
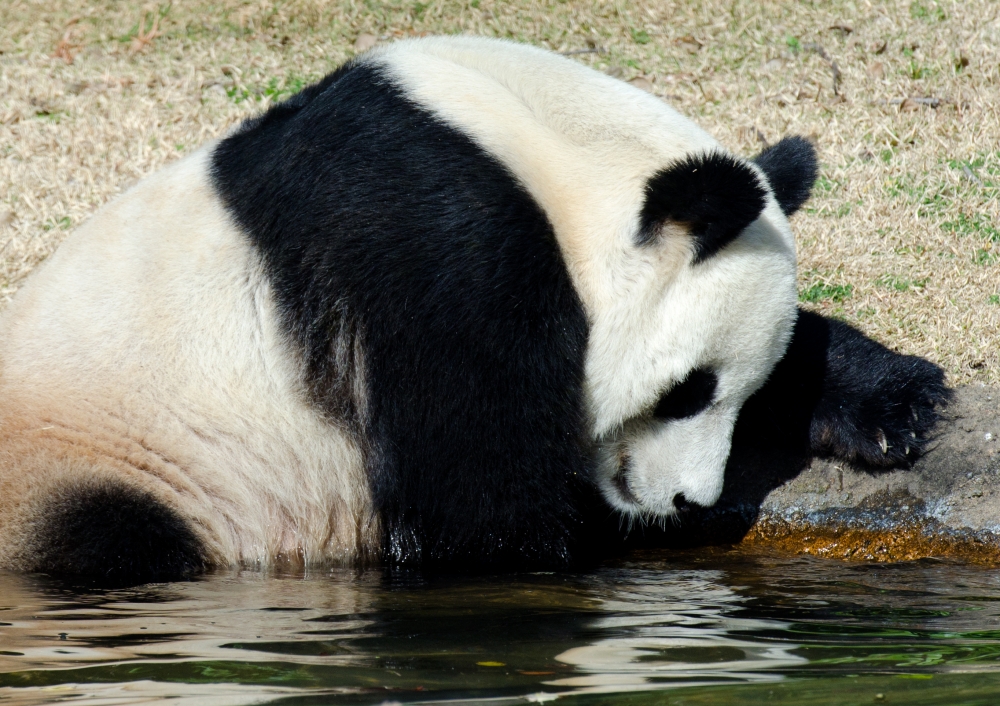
[
  {"x": 792, "y": 169},
  {"x": 714, "y": 195}
]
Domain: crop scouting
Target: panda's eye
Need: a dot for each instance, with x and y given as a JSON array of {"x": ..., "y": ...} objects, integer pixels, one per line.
[{"x": 689, "y": 397}]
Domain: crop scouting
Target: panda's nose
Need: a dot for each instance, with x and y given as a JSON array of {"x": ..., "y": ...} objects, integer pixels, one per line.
[{"x": 683, "y": 505}]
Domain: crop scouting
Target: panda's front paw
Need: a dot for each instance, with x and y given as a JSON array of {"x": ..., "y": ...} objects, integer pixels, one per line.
[{"x": 876, "y": 408}]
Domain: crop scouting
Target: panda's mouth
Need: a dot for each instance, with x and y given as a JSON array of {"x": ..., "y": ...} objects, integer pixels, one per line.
[{"x": 620, "y": 479}]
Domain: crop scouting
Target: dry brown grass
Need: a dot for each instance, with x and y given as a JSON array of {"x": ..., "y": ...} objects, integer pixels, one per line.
[{"x": 902, "y": 236}]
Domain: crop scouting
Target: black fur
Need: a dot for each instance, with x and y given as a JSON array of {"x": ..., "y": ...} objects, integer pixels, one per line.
[
  {"x": 384, "y": 227},
  {"x": 791, "y": 167},
  {"x": 688, "y": 397},
  {"x": 115, "y": 535},
  {"x": 715, "y": 195},
  {"x": 847, "y": 393}
]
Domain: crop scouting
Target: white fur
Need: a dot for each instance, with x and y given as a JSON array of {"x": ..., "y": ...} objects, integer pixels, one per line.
[
  {"x": 153, "y": 331},
  {"x": 584, "y": 145}
]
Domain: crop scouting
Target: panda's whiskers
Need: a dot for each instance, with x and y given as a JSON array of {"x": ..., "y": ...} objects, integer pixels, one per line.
[{"x": 631, "y": 523}]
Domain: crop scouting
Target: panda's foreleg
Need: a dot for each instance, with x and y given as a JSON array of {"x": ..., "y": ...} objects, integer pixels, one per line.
[{"x": 842, "y": 394}]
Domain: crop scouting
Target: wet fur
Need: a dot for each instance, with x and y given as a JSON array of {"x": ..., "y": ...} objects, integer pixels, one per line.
[{"x": 115, "y": 534}]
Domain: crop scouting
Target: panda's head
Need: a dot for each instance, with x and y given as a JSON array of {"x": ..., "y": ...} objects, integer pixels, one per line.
[
  {"x": 680, "y": 255},
  {"x": 713, "y": 229}
]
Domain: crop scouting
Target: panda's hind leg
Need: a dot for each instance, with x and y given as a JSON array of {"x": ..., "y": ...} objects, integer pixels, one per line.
[
  {"x": 111, "y": 533},
  {"x": 847, "y": 396}
]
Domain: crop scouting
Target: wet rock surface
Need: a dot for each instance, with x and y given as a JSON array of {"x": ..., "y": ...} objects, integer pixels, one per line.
[{"x": 946, "y": 505}]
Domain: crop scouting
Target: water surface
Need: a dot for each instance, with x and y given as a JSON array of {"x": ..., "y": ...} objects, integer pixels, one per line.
[{"x": 706, "y": 627}]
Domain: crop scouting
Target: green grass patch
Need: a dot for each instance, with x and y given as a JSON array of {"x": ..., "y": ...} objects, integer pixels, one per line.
[
  {"x": 897, "y": 186},
  {"x": 931, "y": 199},
  {"x": 929, "y": 12},
  {"x": 899, "y": 284},
  {"x": 52, "y": 116},
  {"x": 237, "y": 94},
  {"x": 980, "y": 175},
  {"x": 640, "y": 36},
  {"x": 918, "y": 72},
  {"x": 63, "y": 223},
  {"x": 276, "y": 89},
  {"x": 985, "y": 257},
  {"x": 993, "y": 299},
  {"x": 978, "y": 224},
  {"x": 825, "y": 291},
  {"x": 824, "y": 183}
]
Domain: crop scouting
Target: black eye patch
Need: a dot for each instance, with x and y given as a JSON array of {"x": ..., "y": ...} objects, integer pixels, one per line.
[{"x": 689, "y": 397}]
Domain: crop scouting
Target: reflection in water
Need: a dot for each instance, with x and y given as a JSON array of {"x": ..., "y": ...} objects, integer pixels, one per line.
[
  {"x": 198, "y": 620},
  {"x": 678, "y": 628},
  {"x": 715, "y": 624}
]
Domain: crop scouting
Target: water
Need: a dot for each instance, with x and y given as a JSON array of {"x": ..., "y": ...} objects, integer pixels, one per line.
[{"x": 705, "y": 627}]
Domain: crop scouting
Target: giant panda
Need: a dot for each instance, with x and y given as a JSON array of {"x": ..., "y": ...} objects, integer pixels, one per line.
[{"x": 419, "y": 313}]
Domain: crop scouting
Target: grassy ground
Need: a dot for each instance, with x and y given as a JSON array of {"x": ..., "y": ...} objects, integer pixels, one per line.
[{"x": 902, "y": 236}]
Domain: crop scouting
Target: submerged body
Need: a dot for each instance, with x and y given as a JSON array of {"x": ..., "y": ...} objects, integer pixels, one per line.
[{"x": 414, "y": 313}]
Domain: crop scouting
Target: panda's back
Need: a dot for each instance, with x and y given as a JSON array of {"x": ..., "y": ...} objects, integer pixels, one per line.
[{"x": 583, "y": 144}]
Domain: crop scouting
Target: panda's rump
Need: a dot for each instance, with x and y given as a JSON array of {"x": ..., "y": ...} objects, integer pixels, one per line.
[{"x": 147, "y": 352}]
